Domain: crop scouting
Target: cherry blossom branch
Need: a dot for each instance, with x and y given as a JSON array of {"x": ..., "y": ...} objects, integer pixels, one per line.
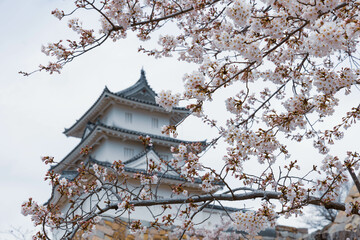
[
  {"x": 354, "y": 177},
  {"x": 166, "y": 17},
  {"x": 228, "y": 197}
]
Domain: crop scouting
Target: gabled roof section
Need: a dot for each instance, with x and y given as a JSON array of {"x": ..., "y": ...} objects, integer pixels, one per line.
[
  {"x": 176, "y": 177},
  {"x": 140, "y": 95},
  {"x": 141, "y": 90},
  {"x": 140, "y": 161},
  {"x": 100, "y": 130},
  {"x": 169, "y": 175}
]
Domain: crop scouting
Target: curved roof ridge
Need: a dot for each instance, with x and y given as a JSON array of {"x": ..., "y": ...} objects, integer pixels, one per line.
[
  {"x": 143, "y": 153},
  {"x": 140, "y": 90},
  {"x": 136, "y": 157},
  {"x": 107, "y": 93},
  {"x": 149, "y": 102},
  {"x": 106, "y": 90},
  {"x": 165, "y": 138}
]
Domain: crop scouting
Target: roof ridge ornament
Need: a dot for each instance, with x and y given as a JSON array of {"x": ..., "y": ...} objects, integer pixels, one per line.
[
  {"x": 142, "y": 72},
  {"x": 143, "y": 77}
]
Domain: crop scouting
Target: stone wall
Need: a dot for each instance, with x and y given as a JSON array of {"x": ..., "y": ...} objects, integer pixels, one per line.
[
  {"x": 343, "y": 227},
  {"x": 342, "y": 222},
  {"x": 109, "y": 229},
  {"x": 115, "y": 229},
  {"x": 288, "y": 233}
]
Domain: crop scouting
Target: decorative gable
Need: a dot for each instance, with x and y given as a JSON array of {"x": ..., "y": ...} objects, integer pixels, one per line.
[
  {"x": 140, "y": 90},
  {"x": 140, "y": 162}
]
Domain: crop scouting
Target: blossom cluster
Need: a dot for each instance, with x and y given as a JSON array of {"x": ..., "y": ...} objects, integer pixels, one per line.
[
  {"x": 207, "y": 182},
  {"x": 146, "y": 141},
  {"x": 47, "y": 159},
  {"x": 187, "y": 161},
  {"x": 236, "y": 105},
  {"x": 240, "y": 13},
  {"x": 167, "y": 100},
  {"x": 40, "y": 214},
  {"x": 194, "y": 86},
  {"x": 59, "y": 14},
  {"x": 248, "y": 143},
  {"x": 169, "y": 43},
  {"x": 169, "y": 130},
  {"x": 250, "y": 222},
  {"x": 330, "y": 82}
]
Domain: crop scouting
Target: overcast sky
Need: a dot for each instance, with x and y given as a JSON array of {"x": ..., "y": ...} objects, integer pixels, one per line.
[{"x": 35, "y": 110}]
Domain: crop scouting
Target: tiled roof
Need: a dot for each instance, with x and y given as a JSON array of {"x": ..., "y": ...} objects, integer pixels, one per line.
[
  {"x": 143, "y": 93},
  {"x": 149, "y": 102},
  {"x": 229, "y": 209},
  {"x": 143, "y": 153},
  {"x": 136, "y": 157},
  {"x": 153, "y": 136},
  {"x": 135, "y": 170},
  {"x": 127, "y": 131},
  {"x": 140, "y": 92},
  {"x": 106, "y": 90}
]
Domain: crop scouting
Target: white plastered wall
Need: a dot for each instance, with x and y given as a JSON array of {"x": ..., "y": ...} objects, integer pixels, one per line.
[
  {"x": 141, "y": 119},
  {"x": 112, "y": 149}
]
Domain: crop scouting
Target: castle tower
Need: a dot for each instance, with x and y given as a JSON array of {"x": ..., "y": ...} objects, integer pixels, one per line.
[{"x": 111, "y": 127}]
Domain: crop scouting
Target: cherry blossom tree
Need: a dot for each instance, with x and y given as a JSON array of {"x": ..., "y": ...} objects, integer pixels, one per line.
[
  {"x": 320, "y": 216},
  {"x": 291, "y": 61}
]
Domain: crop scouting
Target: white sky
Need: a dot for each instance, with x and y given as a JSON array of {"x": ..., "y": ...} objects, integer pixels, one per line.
[{"x": 35, "y": 110}]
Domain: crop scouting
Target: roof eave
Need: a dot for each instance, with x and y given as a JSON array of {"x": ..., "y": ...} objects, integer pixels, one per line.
[
  {"x": 157, "y": 138},
  {"x": 76, "y": 130},
  {"x": 91, "y": 139}
]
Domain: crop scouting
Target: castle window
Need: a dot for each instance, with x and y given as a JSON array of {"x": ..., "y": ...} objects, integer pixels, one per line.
[
  {"x": 128, "y": 117},
  {"x": 128, "y": 153},
  {"x": 154, "y": 123}
]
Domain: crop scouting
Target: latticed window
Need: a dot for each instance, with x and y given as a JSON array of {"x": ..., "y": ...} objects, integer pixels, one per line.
[
  {"x": 154, "y": 123},
  {"x": 128, "y": 117},
  {"x": 128, "y": 152}
]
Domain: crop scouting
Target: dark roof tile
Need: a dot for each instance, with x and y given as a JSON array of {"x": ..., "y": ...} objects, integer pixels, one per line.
[{"x": 153, "y": 136}]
